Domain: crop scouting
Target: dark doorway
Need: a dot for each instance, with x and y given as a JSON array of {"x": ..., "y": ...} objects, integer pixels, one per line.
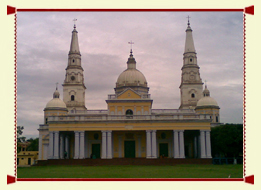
[
  {"x": 164, "y": 149},
  {"x": 129, "y": 149},
  {"x": 96, "y": 150},
  {"x": 29, "y": 161}
]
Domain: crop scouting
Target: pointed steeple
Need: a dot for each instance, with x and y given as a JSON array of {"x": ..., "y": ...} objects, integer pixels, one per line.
[
  {"x": 191, "y": 86},
  {"x": 74, "y": 49},
  {"x": 73, "y": 86},
  {"x": 131, "y": 61},
  {"x": 189, "y": 44}
]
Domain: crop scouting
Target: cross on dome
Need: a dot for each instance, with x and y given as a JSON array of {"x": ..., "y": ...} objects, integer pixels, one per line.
[
  {"x": 131, "y": 42},
  {"x": 57, "y": 85}
]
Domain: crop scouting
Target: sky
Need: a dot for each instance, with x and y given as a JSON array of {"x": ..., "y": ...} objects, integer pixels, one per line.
[{"x": 43, "y": 42}]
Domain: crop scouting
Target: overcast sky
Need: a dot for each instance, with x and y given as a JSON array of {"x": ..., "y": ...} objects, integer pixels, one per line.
[{"x": 43, "y": 42}]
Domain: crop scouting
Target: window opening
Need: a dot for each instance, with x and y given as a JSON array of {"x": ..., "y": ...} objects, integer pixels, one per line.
[
  {"x": 129, "y": 114},
  {"x": 72, "y": 97},
  {"x": 192, "y": 95}
]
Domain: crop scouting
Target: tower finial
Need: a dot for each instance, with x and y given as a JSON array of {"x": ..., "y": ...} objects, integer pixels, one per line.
[
  {"x": 205, "y": 83},
  {"x": 74, "y": 20},
  {"x": 188, "y": 20}
]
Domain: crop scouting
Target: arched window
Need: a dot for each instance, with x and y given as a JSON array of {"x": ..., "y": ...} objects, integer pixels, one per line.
[
  {"x": 73, "y": 60},
  {"x": 190, "y": 59},
  {"x": 217, "y": 119},
  {"x": 192, "y": 95},
  {"x": 72, "y": 97},
  {"x": 46, "y": 120},
  {"x": 129, "y": 112}
]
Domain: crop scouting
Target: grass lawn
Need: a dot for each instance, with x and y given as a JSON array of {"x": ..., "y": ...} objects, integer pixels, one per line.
[{"x": 178, "y": 171}]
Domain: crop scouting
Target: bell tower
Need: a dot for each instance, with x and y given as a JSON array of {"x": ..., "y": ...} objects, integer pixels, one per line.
[
  {"x": 191, "y": 84},
  {"x": 73, "y": 86}
]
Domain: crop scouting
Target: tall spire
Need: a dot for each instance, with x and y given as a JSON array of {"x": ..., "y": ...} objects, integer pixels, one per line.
[
  {"x": 189, "y": 44},
  {"x": 74, "y": 49},
  {"x": 191, "y": 84}
]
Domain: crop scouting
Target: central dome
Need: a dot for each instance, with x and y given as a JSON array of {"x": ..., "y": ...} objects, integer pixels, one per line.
[{"x": 131, "y": 77}]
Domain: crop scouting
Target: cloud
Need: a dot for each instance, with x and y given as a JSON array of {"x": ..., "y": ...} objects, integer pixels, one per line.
[{"x": 159, "y": 38}]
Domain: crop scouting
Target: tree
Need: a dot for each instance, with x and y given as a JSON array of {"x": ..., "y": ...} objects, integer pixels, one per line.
[
  {"x": 20, "y": 139},
  {"x": 33, "y": 146},
  {"x": 19, "y": 133},
  {"x": 227, "y": 140}
]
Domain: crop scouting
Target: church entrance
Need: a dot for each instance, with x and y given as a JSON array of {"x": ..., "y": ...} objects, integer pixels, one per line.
[
  {"x": 129, "y": 149},
  {"x": 96, "y": 150},
  {"x": 164, "y": 150}
]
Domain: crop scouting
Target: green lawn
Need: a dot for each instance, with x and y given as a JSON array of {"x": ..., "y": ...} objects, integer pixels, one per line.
[{"x": 179, "y": 171}]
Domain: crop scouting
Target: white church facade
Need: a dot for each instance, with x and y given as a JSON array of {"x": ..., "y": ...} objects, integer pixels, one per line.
[{"x": 129, "y": 127}]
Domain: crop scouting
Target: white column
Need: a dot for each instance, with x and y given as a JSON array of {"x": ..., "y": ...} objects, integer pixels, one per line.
[
  {"x": 76, "y": 144},
  {"x": 181, "y": 144},
  {"x": 208, "y": 144},
  {"x": 148, "y": 143},
  {"x": 50, "y": 148},
  {"x": 139, "y": 146},
  {"x": 67, "y": 146},
  {"x": 153, "y": 144},
  {"x": 202, "y": 144},
  {"x": 109, "y": 143},
  {"x": 86, "y": 154},
  {"x": 61, "y": 146},
  {"x": 195, "y": 147},
  {"x": 40, "y": 148},
  {"x": 176, "y": 143},
  {"x": 103, "y": 156},
  {"x": 56, "y": 145},
  {"x": 82, "y": 148},
  {"x": 120, "y": 144}
]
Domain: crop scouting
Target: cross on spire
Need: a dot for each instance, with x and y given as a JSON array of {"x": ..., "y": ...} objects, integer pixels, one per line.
[
  {"x": 57, "y": 86},
  {"x": 205, "y": 83},
  {"x": 188, "y": 19},
  {"x": 131, "y": 43},
  {"x": 74, "y": 20}
]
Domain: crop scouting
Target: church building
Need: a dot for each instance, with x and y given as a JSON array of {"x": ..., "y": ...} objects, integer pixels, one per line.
[{"x": 129, "y": 127}]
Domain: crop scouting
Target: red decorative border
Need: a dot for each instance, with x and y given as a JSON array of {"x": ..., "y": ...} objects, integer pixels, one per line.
[
  {"x": 244, "y": 94},
  {"x": 247, "y": 179},
  {"x": 15, "y": 93}
]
